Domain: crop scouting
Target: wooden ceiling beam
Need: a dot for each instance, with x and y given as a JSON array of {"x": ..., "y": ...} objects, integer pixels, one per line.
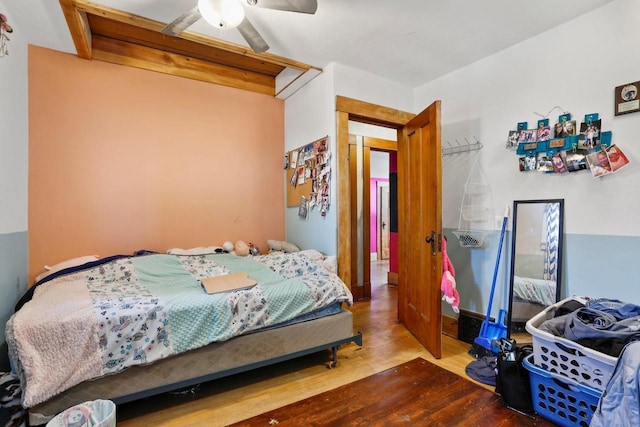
[
  {"x": 101, "y": 26},
  {"x": 150, "y": 24},
  {"x": 107, "y": 34},
  {"x": 79, "y": 27},
  {"x": 119, "y": 52}
]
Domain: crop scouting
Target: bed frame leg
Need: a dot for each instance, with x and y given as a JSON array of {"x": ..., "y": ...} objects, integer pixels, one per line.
[
  {"x": 357, "y": 338},
  {"x": 334, "y": 361}
]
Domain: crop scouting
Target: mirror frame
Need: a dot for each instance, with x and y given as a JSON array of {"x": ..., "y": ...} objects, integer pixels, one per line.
[{"x": 514, "y": 230}]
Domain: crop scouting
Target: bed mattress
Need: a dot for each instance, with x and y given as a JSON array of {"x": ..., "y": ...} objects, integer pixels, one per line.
[{"x": 207, "y": 363}]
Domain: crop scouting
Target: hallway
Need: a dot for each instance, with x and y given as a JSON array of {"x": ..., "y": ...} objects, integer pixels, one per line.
[{"x": 379, "y": 271}]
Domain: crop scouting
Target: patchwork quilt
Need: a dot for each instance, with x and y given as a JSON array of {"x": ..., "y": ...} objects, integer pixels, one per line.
[{"x": 136, "y": 310}]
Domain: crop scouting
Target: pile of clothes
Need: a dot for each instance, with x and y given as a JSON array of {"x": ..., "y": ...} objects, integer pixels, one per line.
[
  {"x": 12, "y": 414},
  {"x": 604, "y": 325}
]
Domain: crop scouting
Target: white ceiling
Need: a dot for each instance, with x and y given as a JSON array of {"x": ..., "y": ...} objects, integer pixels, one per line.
[{"x": 407, "y": 41}]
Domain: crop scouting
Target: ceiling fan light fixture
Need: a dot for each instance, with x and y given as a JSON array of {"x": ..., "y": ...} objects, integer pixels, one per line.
[{"x": 221, "y": 13}]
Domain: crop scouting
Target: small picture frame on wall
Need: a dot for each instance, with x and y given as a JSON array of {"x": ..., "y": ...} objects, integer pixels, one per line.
[{"x": 627, "y": 98}]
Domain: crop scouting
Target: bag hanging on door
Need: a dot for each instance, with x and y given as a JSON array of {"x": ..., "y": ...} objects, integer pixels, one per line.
[{"x": 512, "y": 381}]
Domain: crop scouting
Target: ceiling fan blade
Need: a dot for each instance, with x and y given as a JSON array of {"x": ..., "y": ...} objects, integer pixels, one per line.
[
  {"x": 252, "y": 36},
  {"x": 301, "y": 6},
  {"x": 180, "y": 24}
]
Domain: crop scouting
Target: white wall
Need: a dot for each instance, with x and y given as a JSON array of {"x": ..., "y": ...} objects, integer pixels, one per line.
[
  {"x": 14, "y": 139},
  {"x": 368, "y": 87},
  {"x": 379, "y": 167},
  {"x": 14, "y": 132},
  {"x": 575, "y": 66},
  {"x": 310, "y": 114}
]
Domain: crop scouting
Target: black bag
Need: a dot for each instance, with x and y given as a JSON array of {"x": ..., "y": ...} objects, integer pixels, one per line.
[{"x": 512, "y": 382}]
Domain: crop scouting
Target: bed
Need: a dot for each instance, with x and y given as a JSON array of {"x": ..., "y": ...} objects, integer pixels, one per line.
[{"x": 128, "y": 327}]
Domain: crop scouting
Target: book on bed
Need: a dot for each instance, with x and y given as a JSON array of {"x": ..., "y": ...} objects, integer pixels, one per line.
[{"x": 227, "y": 283}]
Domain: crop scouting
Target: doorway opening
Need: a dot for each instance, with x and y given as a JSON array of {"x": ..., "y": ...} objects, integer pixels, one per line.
[
  {"x": 380, "y": 235},
  {"x": 373, "y": 166},
  {"x": 380, "y": 257}
]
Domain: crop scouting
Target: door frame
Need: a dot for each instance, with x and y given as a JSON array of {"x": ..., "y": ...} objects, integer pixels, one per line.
[{"x": 359, "y": 111}]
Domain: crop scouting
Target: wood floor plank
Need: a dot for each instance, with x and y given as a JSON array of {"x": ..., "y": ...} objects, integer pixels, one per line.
[{"x": 414, "y": 393}]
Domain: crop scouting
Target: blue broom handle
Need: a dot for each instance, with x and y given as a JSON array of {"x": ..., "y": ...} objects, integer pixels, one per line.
[{"x": 495, "y": 270}]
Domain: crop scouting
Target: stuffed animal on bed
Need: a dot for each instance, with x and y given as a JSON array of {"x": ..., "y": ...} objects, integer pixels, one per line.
[
  {"x": 241, "y": 248},
  {"x": 227, "y": 246},
  {"x": 448, "y": 284}
]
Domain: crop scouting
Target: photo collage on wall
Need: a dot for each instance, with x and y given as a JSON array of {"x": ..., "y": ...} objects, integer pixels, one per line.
[
  {"x": 566, "y": 148},
  {"x": 312, "y": 163}
]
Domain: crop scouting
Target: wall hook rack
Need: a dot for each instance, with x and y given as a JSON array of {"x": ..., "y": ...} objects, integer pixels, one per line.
[{"x": 461, "y": 148}]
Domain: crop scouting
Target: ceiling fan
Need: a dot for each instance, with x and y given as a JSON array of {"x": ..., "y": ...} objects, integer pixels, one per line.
[{"x": 230, "y": 14}]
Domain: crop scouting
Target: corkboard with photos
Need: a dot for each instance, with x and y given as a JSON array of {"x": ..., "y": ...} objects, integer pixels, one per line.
[
  {"x": 567, "y": 148},
  {"x": 308, "y": 174}
]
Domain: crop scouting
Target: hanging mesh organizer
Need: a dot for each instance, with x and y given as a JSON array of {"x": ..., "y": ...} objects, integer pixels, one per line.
[{"x": 476, "y": 212}]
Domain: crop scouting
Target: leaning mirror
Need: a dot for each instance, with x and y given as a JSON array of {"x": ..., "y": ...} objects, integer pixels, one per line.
[{"x": 536, "y": 262}]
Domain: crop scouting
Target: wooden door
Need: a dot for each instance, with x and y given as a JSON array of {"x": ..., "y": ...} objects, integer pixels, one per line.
[
  {"x": 383, "y": 222},
  {"x": 420, "y": 228}
]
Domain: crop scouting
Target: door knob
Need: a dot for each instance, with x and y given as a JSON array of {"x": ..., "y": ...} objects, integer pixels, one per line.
[{"x": 432, "y": 240}]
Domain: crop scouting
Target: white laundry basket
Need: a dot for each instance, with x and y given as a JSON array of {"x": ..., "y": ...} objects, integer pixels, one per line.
[
  {"x": 567, "y": 358},
  {"x": 95, "y": 413}
]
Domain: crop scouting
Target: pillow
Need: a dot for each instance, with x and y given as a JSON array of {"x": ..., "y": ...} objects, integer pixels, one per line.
[
  {"x": 312, "y": 254},
  {"x": 73, "y": 262},
  {"x": 287, "y": 247},
  {"x": 328, "y": 262},
  {"x": 274, "y": 245},
  {"x": 331, "y": 263},
  {"x": 202, "y": 250}
]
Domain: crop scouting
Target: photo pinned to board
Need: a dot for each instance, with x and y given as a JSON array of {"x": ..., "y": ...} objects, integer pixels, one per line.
[
  {"x": 617, "y": 158},
  {"x": 544, "y": 163},
  {"x": 303, "y": 210},
  {"x": 519, "y": 135},
  {"x": 559, "y": 162},
  {"x": 576, "y": 161},
  {"x": 512, "y": 140},
  {"x": 543, "y": 133},
  {"x": 589, "y": 135},
  {"x": 564, "y": 128},
  {"x": 528, "y": 163},
  {"x": 599, "y": 163},
  {"x": 527, "y": 135}
]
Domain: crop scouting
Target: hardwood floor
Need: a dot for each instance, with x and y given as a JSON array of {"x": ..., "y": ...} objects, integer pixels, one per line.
[{"x": 387, "y": 343}]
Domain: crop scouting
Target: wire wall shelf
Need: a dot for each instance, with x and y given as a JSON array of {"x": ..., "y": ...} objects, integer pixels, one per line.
[
  {"x": 476, "y": 211},
  {"x": 471, "y": 238}
]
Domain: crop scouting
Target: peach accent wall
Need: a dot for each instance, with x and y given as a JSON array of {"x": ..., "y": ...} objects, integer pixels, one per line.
[{"x": 122, "y": 159}]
